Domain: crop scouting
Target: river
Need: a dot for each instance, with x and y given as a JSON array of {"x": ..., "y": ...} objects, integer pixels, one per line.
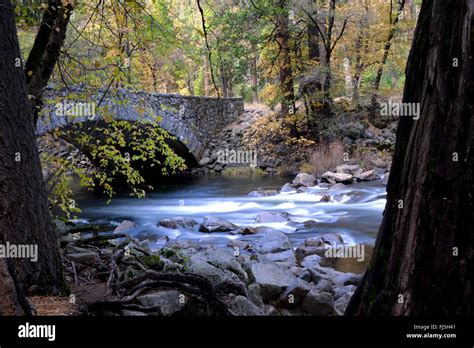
[{"x": 355, "y": 211}]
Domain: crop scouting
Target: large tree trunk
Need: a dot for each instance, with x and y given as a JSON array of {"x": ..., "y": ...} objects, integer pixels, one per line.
[
  {"x": 423, "y": 258},
  {"x": 12, "y": 300},
  {"x": 286, "y": 71},
  {"x": 24, "y": 213}
]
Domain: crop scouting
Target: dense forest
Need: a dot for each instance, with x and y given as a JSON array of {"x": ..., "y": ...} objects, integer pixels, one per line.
[{"x": 236, "y": 157}]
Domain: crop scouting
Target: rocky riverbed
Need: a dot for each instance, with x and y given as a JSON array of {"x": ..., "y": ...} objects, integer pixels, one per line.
[{"x": 260, "y": 270}]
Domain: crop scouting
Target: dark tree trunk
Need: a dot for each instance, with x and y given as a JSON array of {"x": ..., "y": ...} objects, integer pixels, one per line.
[
  {"x": 313, "y": 88},
  {"x": 314, "y": 42},
  {"x": 24, "y": 213},
  {"x": 327, "y": 56},
  {"x": 45, "y": 51},
  {"x": 423, "y": 258},
  {"x": 12, "y": 300},
  {"x": 360, "y": 47},
  {"x": 286, "y": 71}
]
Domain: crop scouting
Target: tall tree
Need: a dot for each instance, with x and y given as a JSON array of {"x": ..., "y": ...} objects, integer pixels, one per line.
[
  {"x": 46, "y": 49},
  {"x": 24, "y": 212},
  {"x": 313, "y": 86},
  {"x": 286, "y": 72},
  {"x": 386, "y": 50},
  {"x": 361, "y": 47},
  {"x": 326, "y": 27},
  {"x": 423, "y": 258}
]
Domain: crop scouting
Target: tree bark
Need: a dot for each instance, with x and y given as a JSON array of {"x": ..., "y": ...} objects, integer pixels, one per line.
[
  {"x": 45, "y": 51},
  {"x": 423, "y": 258},
  {"x": 286, "y": 71},
  {"x": 313, "y": 88},
  {"x": 24, "y": 213},
  {"x": 314, "y": 42},
  {"x": 10, "y": 299},
  {"x": 360, "y": 47}
]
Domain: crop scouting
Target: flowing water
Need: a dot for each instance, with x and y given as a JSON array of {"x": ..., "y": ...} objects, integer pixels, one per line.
[{"x": 355, "y": 211}]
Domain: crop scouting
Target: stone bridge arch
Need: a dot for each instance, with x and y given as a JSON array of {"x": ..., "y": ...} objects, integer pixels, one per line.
[{"x": 194, "y": 121}]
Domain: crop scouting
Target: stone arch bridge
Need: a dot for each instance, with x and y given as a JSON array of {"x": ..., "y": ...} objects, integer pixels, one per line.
[{"x": 194, "y": 121}]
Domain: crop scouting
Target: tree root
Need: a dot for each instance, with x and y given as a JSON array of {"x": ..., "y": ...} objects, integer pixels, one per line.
[{"x": 191, "y": 284}]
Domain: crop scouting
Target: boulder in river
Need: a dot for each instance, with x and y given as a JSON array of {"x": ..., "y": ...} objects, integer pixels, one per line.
[
  {"x": 307, "y": 226},
  {"x": 341, "y": 303},
  {"x": 369, "y": 175},
  {"x": 214, "y": 274},
  {"x": 246, "y": 230},
  {"x": 216, "y": 224},
  {"x": 242, "y": 306},
  {"x": 263, "y": 193},
  {"x": 270, "y": 217},
  {"x": 324, "y": 240},
  {"x": 273, "y": 242},
  {"x": 341, "y": 291},
  {"x": 318, "y": 303},
  {"x": 124, "y": 226},
  {"x": 336, "y": 178},
  {"x": 284, "y": 258},
  {"x": 294, "y": 294},
  {"x": 349, "y": 169},
  {"x": 311, "y": 261},
  {"x": 276, "y": 247},
  {"x": 179, "y": 222},
  {"x": 303, "y": 251},
  {"x": 301, "y": 273},
  {"x": 222, "y": 258},
  {"x": 325, "y": 199},
  {"x": 254, "y": 294},
  {"x": 304, "y": 179},
  {"x": 272, "y": 279}
]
